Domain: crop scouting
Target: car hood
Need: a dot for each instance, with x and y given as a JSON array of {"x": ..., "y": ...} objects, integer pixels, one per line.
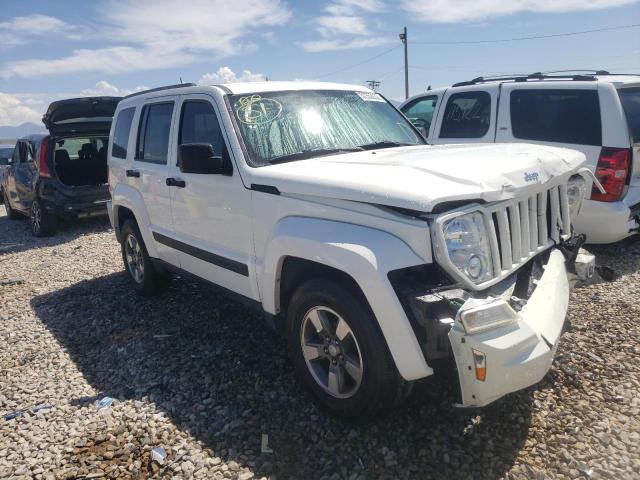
[
  {"x": 421, "y": 177},
  {"x": 80, "y": 115}
]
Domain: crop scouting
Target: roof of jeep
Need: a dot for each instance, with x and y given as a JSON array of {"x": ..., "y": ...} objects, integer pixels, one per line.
[
  {"x": 243, "y": 88},
  {"x": 250, "y": 87}
]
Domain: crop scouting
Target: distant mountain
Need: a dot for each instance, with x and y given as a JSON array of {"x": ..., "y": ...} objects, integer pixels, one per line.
[{"x": 11, "y": 132}]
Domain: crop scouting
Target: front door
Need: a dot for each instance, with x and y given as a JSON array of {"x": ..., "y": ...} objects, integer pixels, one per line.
[{"x": 211, "y": 212}]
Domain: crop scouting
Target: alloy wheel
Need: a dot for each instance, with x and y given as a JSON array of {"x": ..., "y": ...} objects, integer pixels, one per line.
[
  {"x": 36, "y": 217},
  {"x": 134, "y": 258},
  {"x": 331, "y": 352}
]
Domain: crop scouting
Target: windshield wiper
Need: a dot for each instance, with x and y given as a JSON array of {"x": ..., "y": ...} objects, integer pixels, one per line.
[
  {"x": 383, "y": 144},
  {"x": 306, "y": 154}
]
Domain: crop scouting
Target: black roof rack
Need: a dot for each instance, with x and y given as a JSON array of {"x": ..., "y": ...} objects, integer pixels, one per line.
[
  {"x": 584, "y": 75},
  {"x": 157, "y": 89}
]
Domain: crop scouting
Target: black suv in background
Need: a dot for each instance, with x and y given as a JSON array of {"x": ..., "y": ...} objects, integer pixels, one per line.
[{"x": 64, "y": 173}]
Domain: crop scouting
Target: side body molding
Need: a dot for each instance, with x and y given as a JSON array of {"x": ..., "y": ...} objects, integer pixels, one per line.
[{"x": 364, "y": 253}]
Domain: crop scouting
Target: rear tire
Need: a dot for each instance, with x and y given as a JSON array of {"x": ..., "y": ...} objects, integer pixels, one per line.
[
  {"x": 43, "y": 223},
  {"x": 11, "y": 213},
  {"x": 146, "y": 279},
  {"x": 349, "y": 341}
]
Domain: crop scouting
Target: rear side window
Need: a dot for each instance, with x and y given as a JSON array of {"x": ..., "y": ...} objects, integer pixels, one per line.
[
  {"x": 153, "y": 136},
  {"x": 421, "y": 110},
  {"x": 630, "y": 98},
  {"x": 467, "y": 115},
  {"x": 564, "y": 116},
  {"x": 199, "y": 124},
  {"x": 121, "y": 133}
]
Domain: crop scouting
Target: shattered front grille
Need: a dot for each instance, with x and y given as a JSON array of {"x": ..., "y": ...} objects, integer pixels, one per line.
[{"x": 524, "y": 227}]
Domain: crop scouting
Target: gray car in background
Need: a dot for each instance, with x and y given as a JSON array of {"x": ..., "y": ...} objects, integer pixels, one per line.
[{"x": 6, "y": 152}]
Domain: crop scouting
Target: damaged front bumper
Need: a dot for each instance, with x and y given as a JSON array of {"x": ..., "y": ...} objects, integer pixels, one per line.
[{"x": 517, "y": 348}]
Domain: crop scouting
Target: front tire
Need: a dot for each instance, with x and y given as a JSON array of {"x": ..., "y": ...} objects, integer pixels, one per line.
[
  {"x": 43, "y": 223},
  {"x": 339, "y": 352},
  {"x": 146, "y": 279}
]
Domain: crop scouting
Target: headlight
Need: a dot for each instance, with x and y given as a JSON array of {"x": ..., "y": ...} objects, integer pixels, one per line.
[
  {"x": 576, "y": 190},
  {"x": 468, "y": 246}
]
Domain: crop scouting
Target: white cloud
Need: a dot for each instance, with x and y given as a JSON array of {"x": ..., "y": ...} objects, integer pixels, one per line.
[
  {"x": 14, "y": 111},
  {"x": 106, "y": 60},
  {"x": 104, "y": 88},
  {"x": 341, "y": 24},
  {"x": 21, "y": 30},
  {"x": 344, "y": 26},
  {"x": 18, "y": 108},
  {"x": 451, "y": 11},
  {"x": 226, "y": 75},
  {"x": 160, "y": 34},
  {"x": 324, "y": 45}
]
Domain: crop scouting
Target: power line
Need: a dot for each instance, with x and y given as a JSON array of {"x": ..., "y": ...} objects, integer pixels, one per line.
[
  {"x": 535, "y": 37},
  {"x": 356, "y": 64}
]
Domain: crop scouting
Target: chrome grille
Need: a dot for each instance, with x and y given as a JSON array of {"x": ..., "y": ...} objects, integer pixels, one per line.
[{"x": 524, "y": 227}]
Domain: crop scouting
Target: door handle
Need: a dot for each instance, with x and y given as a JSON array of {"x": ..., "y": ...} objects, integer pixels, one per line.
[
  {"x": 176, "y": 182},
  {"x": 133, "y": 173}
]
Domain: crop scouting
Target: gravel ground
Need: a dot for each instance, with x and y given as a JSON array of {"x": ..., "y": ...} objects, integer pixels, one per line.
[{"x": 201, "y": 376}]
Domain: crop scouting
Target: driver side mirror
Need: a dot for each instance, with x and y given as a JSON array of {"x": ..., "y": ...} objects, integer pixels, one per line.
[
  {"x": 423, "y": 131},
  {"x": 199, "y": 158}
]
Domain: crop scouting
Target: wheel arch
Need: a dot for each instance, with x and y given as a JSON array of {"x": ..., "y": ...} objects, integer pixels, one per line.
[
  {"x": 361, "y": 257},
  {"x": 127, "y": 203}
]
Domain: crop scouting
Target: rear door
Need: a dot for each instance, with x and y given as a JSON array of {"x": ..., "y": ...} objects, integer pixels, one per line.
[
  {"x": 466, "y": 116},
  {"x": 559, "y": 114},
  {"x": 149, "y": 170},
  {"x": 80, "y": 115}
]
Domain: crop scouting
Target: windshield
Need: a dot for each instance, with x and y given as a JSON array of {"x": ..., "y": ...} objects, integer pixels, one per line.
[{"x": 288, "y": 126}]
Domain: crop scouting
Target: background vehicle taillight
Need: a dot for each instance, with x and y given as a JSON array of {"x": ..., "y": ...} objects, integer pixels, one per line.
[
  {"x": 612, "y": 171},
  {"x": 43, "y": 158}
]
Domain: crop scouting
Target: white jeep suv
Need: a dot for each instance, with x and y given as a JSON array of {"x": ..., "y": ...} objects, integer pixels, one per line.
[{"x": 373, "y": 252}]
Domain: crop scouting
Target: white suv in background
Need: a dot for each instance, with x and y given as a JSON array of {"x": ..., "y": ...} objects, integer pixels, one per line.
[
  {"x": 596, "y": 113},
  {"x": 374, "y": 253}
]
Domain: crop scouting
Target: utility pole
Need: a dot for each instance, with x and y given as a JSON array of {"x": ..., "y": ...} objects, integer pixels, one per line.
[
  {"x": 373, "y": 84},
  {"x": 403, "y": 38}
]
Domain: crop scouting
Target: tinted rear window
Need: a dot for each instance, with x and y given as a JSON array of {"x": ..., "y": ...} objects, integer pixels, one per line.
[
  {"x": 630, "y": 98},
  {"x": 121, "y": 133},
  {"x": 467, "y": 115},
  {"x": 563, "y": 116},
  {"x": 153, "y": 142}
]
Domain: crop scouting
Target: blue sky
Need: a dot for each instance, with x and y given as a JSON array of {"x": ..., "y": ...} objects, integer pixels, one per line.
[{"x": 58, "y": 49}]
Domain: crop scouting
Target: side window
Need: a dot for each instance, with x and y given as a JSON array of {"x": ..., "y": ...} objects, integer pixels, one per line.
[
  {"x": 468, "y": 115},
  {"x": 121, "y": 133},
  {"x": 153, "y": 135},
  {"x": 420, "y": 111},
  {"x": 199, "y": 124},
  {"x": 565, "y": 116}
]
